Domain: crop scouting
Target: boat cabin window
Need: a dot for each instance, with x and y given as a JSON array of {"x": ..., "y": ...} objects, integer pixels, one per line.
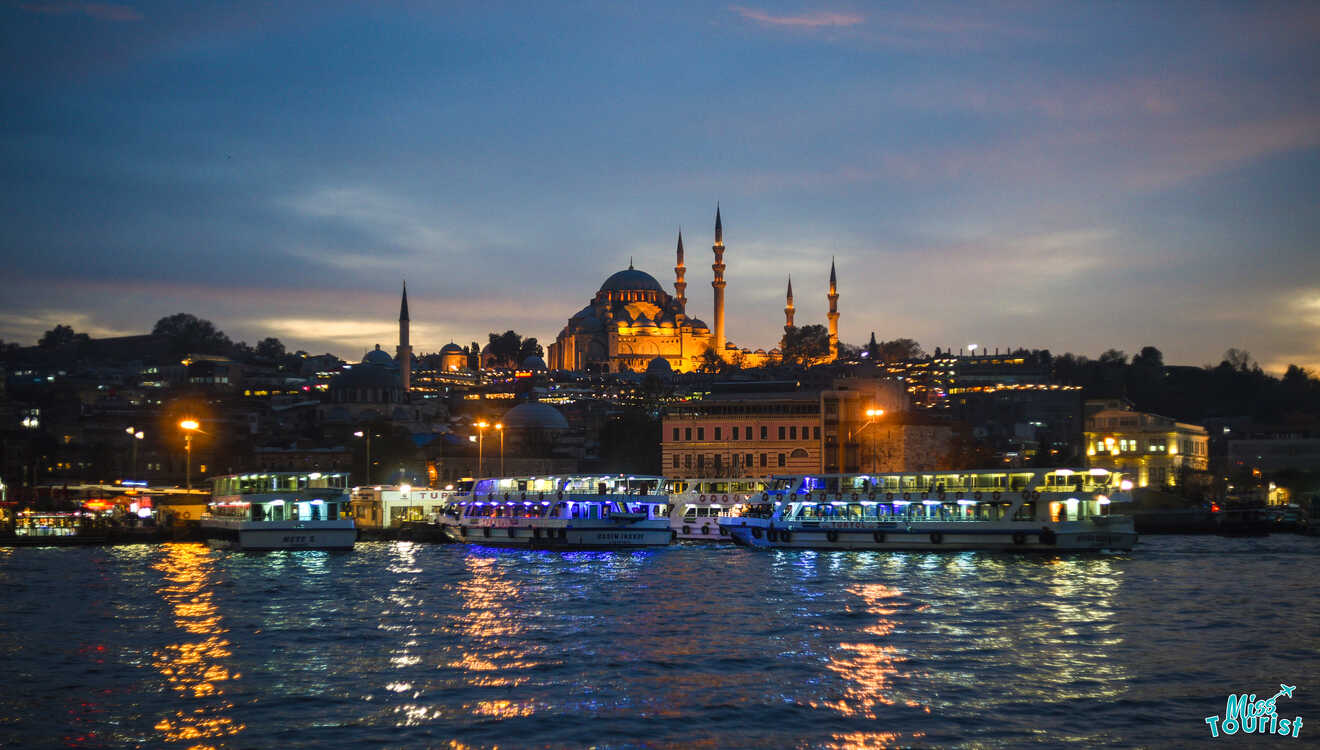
[{"x": 1027, "y": 512}]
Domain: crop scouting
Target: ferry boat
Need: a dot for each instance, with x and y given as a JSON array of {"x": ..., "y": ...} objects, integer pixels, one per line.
[
  {"x": 1013, "y": 510},
  {"x": 569, "y": 512},
  {"x": 279, "y": 510},
  {"x": 696, "y": 505}
]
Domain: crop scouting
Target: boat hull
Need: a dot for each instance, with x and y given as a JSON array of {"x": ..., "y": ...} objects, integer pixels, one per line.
[
  {"x": 277, "y": 535},
  {"x": 550, "y": 536},
  {"x": 935, "y": 537}
]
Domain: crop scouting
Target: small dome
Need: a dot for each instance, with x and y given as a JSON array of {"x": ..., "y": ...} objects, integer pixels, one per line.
[
  {"x": 697, "y": 323},
  {"x": 630, "y": 279},
  {"x": 379, "y": 358},
  {"x": 660, "y": 367},
  {"x": 533, "y": 363},
  {"x": 644, "y": 322},
  {"x": 532, "y": 415},
  {"x": 452, "y": 348}
]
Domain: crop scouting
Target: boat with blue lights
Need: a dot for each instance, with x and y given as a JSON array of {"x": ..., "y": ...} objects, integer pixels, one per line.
[
  {"x": 279, "y": 510},
  {"x": 996, "y": 510},
  {"x": 563, "y": 512}
]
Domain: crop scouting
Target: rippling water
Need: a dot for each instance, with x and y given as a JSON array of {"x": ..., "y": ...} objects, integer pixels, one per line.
[{"x": 413, "y": 645}]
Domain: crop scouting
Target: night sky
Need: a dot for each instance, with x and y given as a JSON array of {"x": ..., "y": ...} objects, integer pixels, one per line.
[{"x": 1070, "y": 176}]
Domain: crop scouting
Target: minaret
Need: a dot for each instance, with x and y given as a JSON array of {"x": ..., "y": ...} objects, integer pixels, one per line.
[
  {"x": 718, "y": 283},
  {"x": 788, "y": 308},
  {"x": 680, "y": 286},
  {"x": 833, "y": 314},
  {"x": 404, "y": 354}
]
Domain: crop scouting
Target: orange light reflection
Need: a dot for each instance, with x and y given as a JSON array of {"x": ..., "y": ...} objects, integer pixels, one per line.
[{"x": 192, "y": 668}]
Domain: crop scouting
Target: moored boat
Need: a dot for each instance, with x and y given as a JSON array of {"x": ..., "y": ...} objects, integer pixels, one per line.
[
  {"x": 1011, "y": 510},
  {"x": 696, "y": 505},
  {"x": 567, "y": 512},
  {"x": 279, "y": 510}
]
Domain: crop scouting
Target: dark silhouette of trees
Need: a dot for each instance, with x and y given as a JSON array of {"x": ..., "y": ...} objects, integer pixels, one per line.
[
  {"x": 190, "y": 334},
  {"x": 61, "y": 335},
  {"x": 804, "y": 344}
]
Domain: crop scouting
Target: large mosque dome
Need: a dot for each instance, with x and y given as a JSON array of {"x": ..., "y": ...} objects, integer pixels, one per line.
[{"x": 631, "y": 279}]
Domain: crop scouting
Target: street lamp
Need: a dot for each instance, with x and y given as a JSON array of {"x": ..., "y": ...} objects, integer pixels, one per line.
[
  {"x": 872, "y": 415},
  {"x": 481, "y": 434},
  {"x": 189, "y": 426},
  {"x": 134, "y": 435},
  {"x": 500, "y": 427},
  {"x": 366, "y": 435}
]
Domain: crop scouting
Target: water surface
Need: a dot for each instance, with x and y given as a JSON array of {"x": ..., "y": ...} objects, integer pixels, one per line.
[{"x": 416, "y": 645}]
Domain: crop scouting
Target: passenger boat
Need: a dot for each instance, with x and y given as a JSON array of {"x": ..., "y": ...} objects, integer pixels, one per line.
[
  {"x": 696, "y": 505},
  {"x": 569, "y": 512},
  {"x": 279, "y": 510},
  {"x": 1014, "y": 510}
]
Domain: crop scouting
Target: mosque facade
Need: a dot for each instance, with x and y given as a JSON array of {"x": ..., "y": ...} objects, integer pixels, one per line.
[{"x": 632, "y": 322}]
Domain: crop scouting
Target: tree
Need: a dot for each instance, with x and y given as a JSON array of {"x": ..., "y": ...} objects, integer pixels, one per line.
[
  {"x": 188, "y": 333},
  {"x": 1149, "y": 357},
  {"x": 710, "y": 361},
  {"x": 61, "y": 335},
  {"x": 504, "y": 347},
  {"x": 1237, "y": 359},
  {"x": 270, "y": 348},
  {"x": 897, "y": 350},
  {"x": 529, "y": 348},
  {"x": 804, "y": 345},
  {"x": 1113, "y": 357}
]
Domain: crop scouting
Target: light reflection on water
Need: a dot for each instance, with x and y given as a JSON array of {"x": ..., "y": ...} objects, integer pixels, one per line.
[
  {"x": 406, "y": 644},
  {"x": 195, "y": 668}
]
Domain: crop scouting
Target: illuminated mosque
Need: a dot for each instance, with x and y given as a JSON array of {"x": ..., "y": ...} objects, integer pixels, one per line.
[{"x": 632, "y": 324}]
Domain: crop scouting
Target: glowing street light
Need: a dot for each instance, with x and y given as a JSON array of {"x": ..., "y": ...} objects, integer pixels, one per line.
[
  {"x": 367, "y": 435},
  {"x": 872, "y": 415},
  {"x": 500, "y": 428},
  {"x": 134, "y": 435},
  {"x": 481, "y": 435},
  {"x": 189, "y": 426}
]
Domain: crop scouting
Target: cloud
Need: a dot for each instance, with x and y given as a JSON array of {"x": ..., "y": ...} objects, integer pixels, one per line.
[
  {"x": 810, "y": 21},
  {"x": 100, "y": 11}
]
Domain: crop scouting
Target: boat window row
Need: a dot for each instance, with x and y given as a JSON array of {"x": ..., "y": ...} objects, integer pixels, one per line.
[
  {"x": 252, "y": 484},
  {"x": 579, "y": 485},
  {"x": 563, "y": 509},
  {"x": 1095, "y": 480},
  {"x": 278, "y": 510},
  {"x": 913, "y": 511}
]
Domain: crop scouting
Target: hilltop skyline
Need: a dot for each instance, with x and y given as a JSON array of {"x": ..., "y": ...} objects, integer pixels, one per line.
[{"x": 1069, "y": 178}]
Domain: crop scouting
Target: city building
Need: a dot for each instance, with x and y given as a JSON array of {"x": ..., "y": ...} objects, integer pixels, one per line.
[
  {"x": 856, "y": 425},
  {"x": 1156, "y": 451}
]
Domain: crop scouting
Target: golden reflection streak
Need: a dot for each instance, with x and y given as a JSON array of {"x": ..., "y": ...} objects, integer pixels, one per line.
[
  {"x": 868, "y": 668},
  {"x": 489, "y": 623},
  {"x": 192, "y": 668}
]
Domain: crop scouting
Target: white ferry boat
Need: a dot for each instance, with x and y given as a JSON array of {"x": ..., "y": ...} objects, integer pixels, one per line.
[
  {"x": 568, "y": 512},
  {"x": 1013, "y": 510},
  {"x": 279, "y": 510},
  {"x": 696, "y": 505}
]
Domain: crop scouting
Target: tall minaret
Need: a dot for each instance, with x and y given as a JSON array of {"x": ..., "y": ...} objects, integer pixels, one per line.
[
  {"x": 788, "y": 308},
  {"x": 833, "y": 314},
  {"x": 680, "y": 286},
  {"x": 718, "y": 283},
  {"x": 404, "y": 355}
]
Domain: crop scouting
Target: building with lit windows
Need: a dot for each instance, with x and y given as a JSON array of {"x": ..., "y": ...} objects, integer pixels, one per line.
[
  {"x": 1155, "y": 451},
  {"x": 856, "y": 425}
]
